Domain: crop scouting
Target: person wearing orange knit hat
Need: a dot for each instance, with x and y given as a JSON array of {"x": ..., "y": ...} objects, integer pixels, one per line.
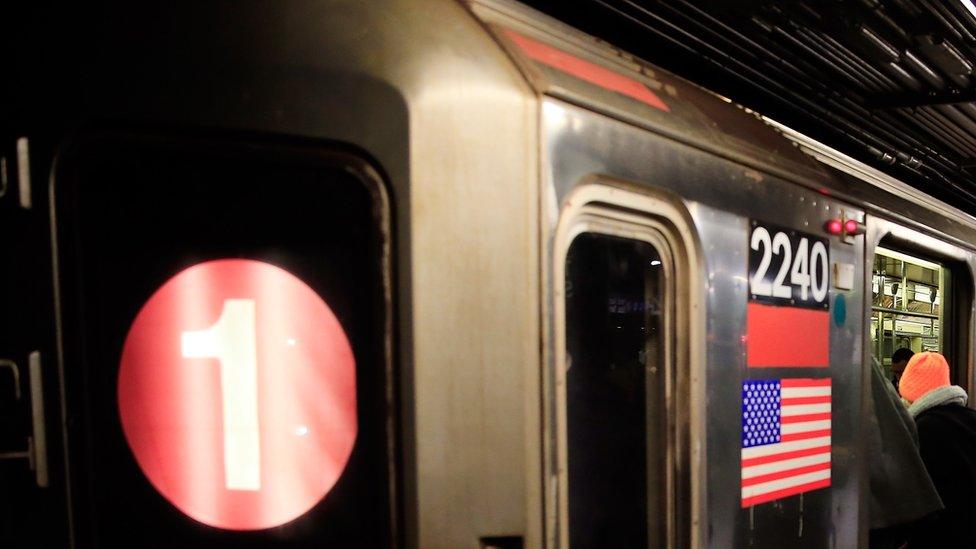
[{"x": 947, "y": 444}]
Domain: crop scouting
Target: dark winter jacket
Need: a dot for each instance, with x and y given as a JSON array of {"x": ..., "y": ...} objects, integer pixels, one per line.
[
  {"x": 900, "y": 490},
  {"x": 947, "y": 443}
]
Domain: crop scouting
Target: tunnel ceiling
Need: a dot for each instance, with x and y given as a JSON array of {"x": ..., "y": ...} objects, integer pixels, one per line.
[{"x": 889, "y": 82}]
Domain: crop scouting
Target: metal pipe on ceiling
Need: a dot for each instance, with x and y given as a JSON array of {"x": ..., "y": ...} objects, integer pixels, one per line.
[{"x": 787, "y": 60}]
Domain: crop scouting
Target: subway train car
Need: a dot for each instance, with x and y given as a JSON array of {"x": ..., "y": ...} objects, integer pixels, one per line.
[{"x": 429, "y": 273}]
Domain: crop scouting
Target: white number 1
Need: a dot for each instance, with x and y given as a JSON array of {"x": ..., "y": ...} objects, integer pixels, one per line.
[{"x": 232, "y": 340}]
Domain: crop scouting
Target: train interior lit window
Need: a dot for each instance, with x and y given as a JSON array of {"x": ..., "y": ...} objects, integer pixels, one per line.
[
  {"x": 906, "y": 312},
  {"x": 914, "y": 306},
  {"x": 616, "y": 415}
]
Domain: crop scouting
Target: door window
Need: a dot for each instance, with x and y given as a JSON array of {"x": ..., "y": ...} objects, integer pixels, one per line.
[
  {"x": 615, "y": 382},
  {"x": 919, "y": 304},
  {"x": 906, "y": 312}
]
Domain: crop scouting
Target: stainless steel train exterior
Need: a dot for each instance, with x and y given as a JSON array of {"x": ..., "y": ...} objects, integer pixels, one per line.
[{"x": 490, "y": 155}]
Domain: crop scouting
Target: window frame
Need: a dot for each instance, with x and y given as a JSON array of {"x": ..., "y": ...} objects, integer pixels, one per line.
[
  {"x": 957, "y": 318},
  {"x": 617, "y": 209},
  {"x": 300, "y": 154}
]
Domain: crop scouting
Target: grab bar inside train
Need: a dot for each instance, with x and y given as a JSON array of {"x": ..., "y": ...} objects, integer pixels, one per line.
[{"x": 36, "y": 450}]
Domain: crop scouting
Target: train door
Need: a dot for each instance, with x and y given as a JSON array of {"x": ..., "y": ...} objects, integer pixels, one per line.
[
  {"x": 225, "y": 344},
  {"x": 921, "y": 292},
  {"x": 618, "y": 280}
]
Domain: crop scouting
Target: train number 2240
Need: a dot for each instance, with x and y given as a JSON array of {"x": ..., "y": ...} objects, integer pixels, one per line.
[{"x": 788, "y": 267}]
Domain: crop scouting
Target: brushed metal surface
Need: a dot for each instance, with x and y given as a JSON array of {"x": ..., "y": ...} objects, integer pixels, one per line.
[{"x": 721, "y": 197}]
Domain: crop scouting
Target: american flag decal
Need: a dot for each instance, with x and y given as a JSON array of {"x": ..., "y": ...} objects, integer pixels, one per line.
[{"x": 785, "y": 438}]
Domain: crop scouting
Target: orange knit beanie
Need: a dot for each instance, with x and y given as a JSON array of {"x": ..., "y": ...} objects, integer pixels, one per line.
[{"x": 924, "y": 372}]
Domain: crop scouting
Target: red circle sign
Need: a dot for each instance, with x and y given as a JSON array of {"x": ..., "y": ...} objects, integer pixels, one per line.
[{"x": 237, "y": 393}]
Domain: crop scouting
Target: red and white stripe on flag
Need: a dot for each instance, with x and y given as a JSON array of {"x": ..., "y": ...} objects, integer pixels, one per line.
[{"x": 786, "y": 446}]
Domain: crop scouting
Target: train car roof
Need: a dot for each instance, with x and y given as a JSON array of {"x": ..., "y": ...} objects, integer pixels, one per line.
[
  {"x": 546, "y": 49},
  {"x": 562, "y": 62}
]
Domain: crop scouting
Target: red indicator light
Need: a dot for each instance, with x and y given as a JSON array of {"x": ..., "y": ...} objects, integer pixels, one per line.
[
  {"x": 834, "y": 226},
  {"x": 852, "y": 227}
]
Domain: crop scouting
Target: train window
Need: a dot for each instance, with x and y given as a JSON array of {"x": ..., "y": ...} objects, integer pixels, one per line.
[
  {"x": 616, "y": 413},
  {"x": 906, "y": 293},
  {"x": 905, "y": 308},
  {"x": 224, "y": 315},
  {"x": 913, "y": 308}
]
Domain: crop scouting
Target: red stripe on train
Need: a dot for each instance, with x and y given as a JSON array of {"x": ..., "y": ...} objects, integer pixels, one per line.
[
  {"x": 586, "y": 71},
  {"x": 786, "y": 337}
]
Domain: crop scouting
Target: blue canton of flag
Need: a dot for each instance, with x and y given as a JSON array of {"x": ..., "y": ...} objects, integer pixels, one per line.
[{"x": 760, "y": 413}]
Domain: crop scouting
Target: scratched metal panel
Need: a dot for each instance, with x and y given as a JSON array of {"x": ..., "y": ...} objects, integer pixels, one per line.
[{"x": 721, "y": 197}]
